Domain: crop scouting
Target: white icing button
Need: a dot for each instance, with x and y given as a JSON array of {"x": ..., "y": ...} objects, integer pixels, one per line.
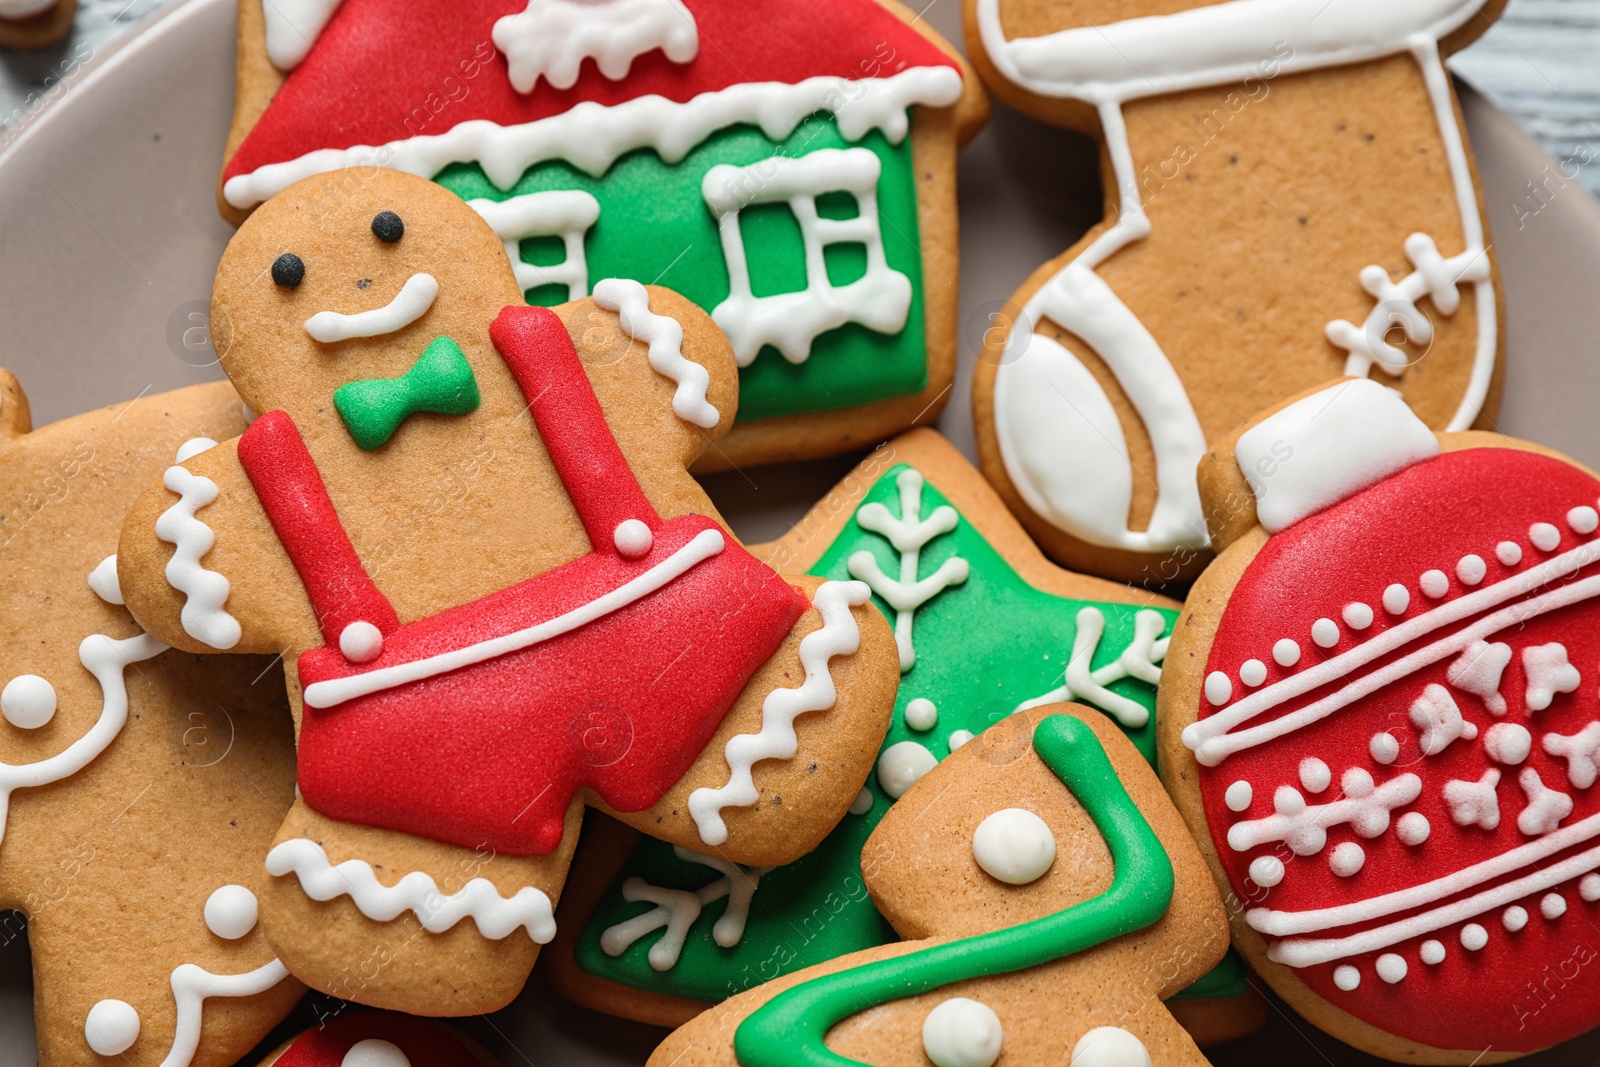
[
  {"x": 1347, "y": 859},
  {"x": 862, "y": 803},
  {"x": 1396, "y": 599},
  {"x": 361, "y": 642},
  {"x": 901, "y": 765},
  {"x": 1508, "y": 743},
  {"x": 1514, "y": 918},
  {"x": 1014, "y": 845},
  {"x": 1347, "y": 978},
  {"x": 374, "y": 1053},
  {"x": 1432, "y": 953},
  {"x": 1266, "y": 871},
  {"x": 1384, "y": 748},
  {"x": 1471, "y": 569},
  {"x": 1253, "y": 672},
  {"x": 1391, "y": 968},
  {"x": 1315, "y": 775},
  {"x": 1239, "y": 795},
  {"x": 962, "y": 1033},
  {"x": 1552, "y": 905},
  {"x": 632, "y": 538},
  {"x": 1434, "y": 584},
  {"x": 1583, "y": 519},
  {"x": 193, "y": 447},
  {"x": 959, "y": 738},
  {"x": 1358, "y": 616},
  {"x": 921, "y": 714},
  {"x": 1508, "y": 553},
  {"x": 111, "y": 1027},
  {"x": 1473, "y": 937},
  {"x": 28, "y": 702},
  {"x": 1286, "y": 652},
  {"x": 1589, "y": 888},
  {"x": 1109, "y": 1046},
  {"x": 1325, "y": 632},
  {"x": 1218, "y": 687},
  {"x": 103, "y": 580},
  {"x": 1413, "y": 828},
  {"x": 231, "y": 912},
  {"x": 1544, "y": 536}
]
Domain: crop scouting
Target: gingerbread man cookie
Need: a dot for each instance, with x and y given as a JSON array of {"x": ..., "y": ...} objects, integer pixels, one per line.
[
  {"x": 498, "y": 592},
  {"x": 1290, "y": 198},
  {"x": 379, "y": 1039},
  {"x": 139, "y": 786},
  {"x": 1377, "y": 718}
]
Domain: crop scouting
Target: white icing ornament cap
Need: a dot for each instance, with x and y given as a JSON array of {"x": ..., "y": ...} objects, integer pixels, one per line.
[{"x": 1329, "y": 446}]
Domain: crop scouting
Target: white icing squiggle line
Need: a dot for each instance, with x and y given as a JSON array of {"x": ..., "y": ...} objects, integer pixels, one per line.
[
  {"x": 839, "y": 636},
  {"x": 192, "y": 985},
  {"x": 205, "y": 591},
  {"x": 413, "y": 300},
  {"x": 677, "y": 910},
  {"x": 478, "y": 900},
  {"x": 1139, "y": 660},
  {"x": 665, "y": 337}
]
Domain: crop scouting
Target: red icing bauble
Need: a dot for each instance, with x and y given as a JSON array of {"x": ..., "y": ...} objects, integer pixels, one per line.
[
  {"x": 1510, "y": 535},
  {"x": 423, "y": 1042}
]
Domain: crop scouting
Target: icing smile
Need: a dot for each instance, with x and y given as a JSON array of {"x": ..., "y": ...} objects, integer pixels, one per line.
[{"x": 409, "y": 304}]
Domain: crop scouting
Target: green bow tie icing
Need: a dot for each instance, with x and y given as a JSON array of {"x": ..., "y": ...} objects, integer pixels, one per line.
[{"x": 441, "y": 381}]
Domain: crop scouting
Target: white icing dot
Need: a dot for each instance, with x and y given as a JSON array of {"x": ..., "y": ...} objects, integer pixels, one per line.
[
  {"x": 1434, "y": 584},
  {"x": 862, "y": 803},
  {"x": 1315, "y": 775},
  {"x": 959, "y": 738},
  {"x": 962, "y": 1033},
  {"x": 1358, "y": 616},
  {"x": 1544, "y": 536},
  {"x": 632, "y": 538},
  {"x": 1253, "y": 673},
  {"x": 921, "y": 714},
  {"x": 193, "y": 447},
  {"x": 1508, "y": 553},
  {"x": 103, "y": 580},
  {"x": 1384, "y": 748},
  {"x": 901, "y": 765},
  {"x": 1473, "y": 937},
  {"x": 1266, "y": 871},
  {"x": 1239, "y": 795},
  {"x": 1413, "y": 828},
  {"x": 1014, "y": 845},
  {"x": 1218, "y": 687},
  {"x": 1432, "y": 953},
  {"x": 1589, "y": 888},
  {"x": 28, "y": 702},
  {"x": 361, "y": 642},
  {"x": 1347, "y": 859},
  {"x": 1325, "y": 632},
  {"x": 1583, "y": 519},
  {"x": 112, "y": 1027},
  {"x": 1471, "y": 569},
  {"x": 1514, "y": 918},
  {"x": 1508, "y": 743},
  {"x": 1286, "y": 652},
  {"x": 1347, "y": 978},
  {"x": 1109, "y": 1046},
  {"x": 1391, "y": 968},
  {"x": 1552, "y": 905},
  {"x": 1396, "y": 599},
  {"x": 231, "y": 912},
  {"x": 374, "y": 1053}
]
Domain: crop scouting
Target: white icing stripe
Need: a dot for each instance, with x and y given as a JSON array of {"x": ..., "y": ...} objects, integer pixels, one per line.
[
  {"x": 592, "y": 136},
  {"x": 193, "y": 984},
  {"x": 335, "y": 691},
  {"x": 293, "y": 27},
  {"x": 664, "y": 335},
  {"x": 839, "y": 636},
  {"x": 552, "y": 38},
  {"x": 413, "y": 300},
  {"x": 496, "y": 916},
  {"x": 205, "y": 591},
  {"x": 564, "y": 213},
  {"x": 1139, "y": 660}
]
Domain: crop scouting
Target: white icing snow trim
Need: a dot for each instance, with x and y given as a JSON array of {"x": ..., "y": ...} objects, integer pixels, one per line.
[
  {"x": 677, "y": 910},
  {"x": 192, "y": 985},
  {"x": 552, "y": 38},
  {"x": 335, "y": 691},
  {"x": 105, "y": 658},
  {"x": 205, "y": 591},
  {"x": 1329, "y": 446},
  {"x": 839, "y": 636},
  {"x": 664, "y": 336},
  {"x": 1139, "y": 660},
  {"x": 413, "y": 300},
  {"x": 1304, "y": 828},
  {"x": 293, "y": 27},
  {"x": 592, "y": 136},
  {"x": 564, "y": 213},
  {"x": 496, "y": 916},
  {"x": 790, "y": 322},
  {"x": 103, "y": 581}
]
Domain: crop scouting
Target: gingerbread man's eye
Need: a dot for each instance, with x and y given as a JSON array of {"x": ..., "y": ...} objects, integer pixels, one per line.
[
  {"x": 288, "y": 270},
  {"x": 388, "y": 227}
]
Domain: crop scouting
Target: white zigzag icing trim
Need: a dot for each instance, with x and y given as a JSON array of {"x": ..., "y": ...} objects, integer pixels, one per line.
[
  {"x": 664, "y": 335},
  {"x": 1139, "y": 660},
  {"x": 677, "y": 910},
  {"x": 205, "y": 591}
]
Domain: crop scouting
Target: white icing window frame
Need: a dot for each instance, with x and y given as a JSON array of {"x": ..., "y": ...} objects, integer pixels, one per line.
[{"x": 565, "y": 213}]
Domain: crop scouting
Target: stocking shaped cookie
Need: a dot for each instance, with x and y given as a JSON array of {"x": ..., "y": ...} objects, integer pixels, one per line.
[
  {"x": 379, "y": 1039},
  {"x": 1289, "y": 198},
  {"x": 1051, "y": 898},
  {"x": 469, "y": 529},
  {"x": 31, "y": 24},
  {"x": 139, "y": 786},
  {"x": 1378, "y": 716}
]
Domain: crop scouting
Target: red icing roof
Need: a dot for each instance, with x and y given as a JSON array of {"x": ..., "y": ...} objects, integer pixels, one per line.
[{"x": 387, "y": 70}]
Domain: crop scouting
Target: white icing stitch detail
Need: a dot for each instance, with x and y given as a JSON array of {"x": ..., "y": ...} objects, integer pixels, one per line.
[
  {"x": 1509, "y": 553},
  {"x": 677, "y": 910},
  {"x": 1474, "y": 803},
  {"x": 1478, "y": 670},
  {"x": 1347, "y": 978},
  {"x": 1014, "y": 846},
  {"x": 1396, "y": 599},
  {"x": 111, "y": 1027},
  {"x": 1286, "y": 652},
  {"x": 1252, "y": 673},
  {"x": 28, "y": 702},
  {"x": 1434, "y": 584},
  {"x": 904, "y": 763},
  {"x": 1266, "y": 871},
  {"x": 1325, "y": 633},
  {"x": 292, "y": 29},
  {"x": 1471, "y": 569},
  {"x": 1315, "y": 775},
  {"x": 1583, "y": 519},
  {"x": 1545, "y": 537},
  {"x": 1358, "y": 616},
  {"x": 838, "y": 636},
  {"x": 1384, "y": 748},
  {"x": 1239, "y": 795},
  {"x": 1138, "y": 660},
  {"x": 1438, "y": 720},
  {"x": 1552, "y": 906},
  {"x": 1432, "y": 953},
  {"x": 205, "y": 591},
  {"x": 103, "y": 581},
  {"x": 193, "y": 985},
  {"x": 550, "y": 39},
  {"x": 960, "y": 1032},
  {"x": 1514, "y": 919},
  {"x": 1304, "y": 828},
  {"x": 1347, "y": 859},
  {"x": 664, "y": 335},
  {"x": 1413, "y": 828},
  {"x": 496, "y": 916},
  {"x": 1474, "y": 937},
  {"x": 1548, "y": 673},
  {"x": 1109, "y": 1046},
  {"x": 413, "y": 300},
  {"x": 1581, "y": 751},
  {"x": 1391, "y": 968},
  {"x": 564, "y": 213},
  {"x": 1508, "y": 743},
  {"x": 1546, "y": 807}
]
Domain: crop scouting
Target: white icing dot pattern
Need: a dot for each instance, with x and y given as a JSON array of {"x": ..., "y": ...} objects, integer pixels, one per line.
[
  {"x": 1552, "y": 906},
  {"x": 111, "y": 1027},
  {"x": 1514, "y": 918},
  {"x": 902, "y": 765},
  {"x": 1325, "y": 633},
  {"x": 1384, "y": 748},
  {"x": 1396, "y": 599},
  {"x": 1253, "y": 673},
  {"x": 1014, "y": 846},
  {"x": 1109, "y": 1046},
  {"x": 374, "y": 1052},
  {"x": 1544, "y": 536},
  {"x": 1358, "y": 616},
  {"x": 28, "y": 702},
  {"x": 1347, "y": 859},
  {"x": 1589, "y": 887},
  {"x": 1474, "y": 937},
  {"x": 1508, "y": 553},
  {"x": 633, "y": 538},
  {"x": 1432, "y": 953},
  {"x": 1286, "y": 652},
  {"x": 921, "y": 714},
  {"x": 1219, "y": 688},
  {"x": 1434, "y": 584},
  {"x": 1413, "y": 828},
  {"x": 1583, "y": 519},
  {"x": 1239, "y": 795},
  {"x": 1471, "y": 569},
  {"x": 1391, "y": 968},
  {"x": 962, "y": 1033},
  {"x": 1508, "y": 743},
  {"x": 1315, "y": 775},
  {"x": 1266, "y": 871},
  {"x": 231, "y": 912},
  {"x": 959, "y": 738},
  {"x": 1347, "y": 978}
]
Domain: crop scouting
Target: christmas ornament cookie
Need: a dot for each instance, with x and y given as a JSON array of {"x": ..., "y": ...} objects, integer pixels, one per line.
[
  {"x": 788, "y": 167},
  {"x": 139, "y": 786},
  {"x": 31, "y": 24},
  {"x": 1376, "y": 715},
  {"x": 379, "y": 1039},
  {"x": 1050, "y": 897},
  {"x": 988, "y": 628},
  {"x": 468, "y": 527},
  {"x": 1151, "y": 337}
]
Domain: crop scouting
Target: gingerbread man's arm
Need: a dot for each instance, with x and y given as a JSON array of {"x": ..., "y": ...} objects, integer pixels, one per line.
[{"x": 200, "y": 567}]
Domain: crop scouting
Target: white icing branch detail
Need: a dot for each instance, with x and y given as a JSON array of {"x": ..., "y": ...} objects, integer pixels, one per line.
[
  {"x": 1304, "y": 828},
  {"x": 1581, "y": 751},
  {"x": 677, "y": 910},
  {"x": 1140, "y": 659},
  {"x": 1548, "y": 673},
  {"x": 1546, "y": 807},
  {"x": 1474, "y": 803}
]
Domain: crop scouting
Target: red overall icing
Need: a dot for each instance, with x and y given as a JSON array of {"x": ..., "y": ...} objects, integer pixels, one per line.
[
  {"x": 424, "y": 1042},
  {"x": 1525, "y": 990},
  {"x": 489, "y": 755},
  {"x": 378, "y": 60}
]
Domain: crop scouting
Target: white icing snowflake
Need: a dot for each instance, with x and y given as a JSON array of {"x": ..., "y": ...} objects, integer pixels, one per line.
[
  {"x": 1546, "y": 807},
  {"x": 1474, "y": 803},
  {"x": 1548, "y": 673},
  {"x": 1478, "y": 671},
  {"x": 1304, "y": 827},
  {"x": 678, "y": 909},
  {"x": 1438, "y": 720},
  {"x": 1581, "y": 751}
]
